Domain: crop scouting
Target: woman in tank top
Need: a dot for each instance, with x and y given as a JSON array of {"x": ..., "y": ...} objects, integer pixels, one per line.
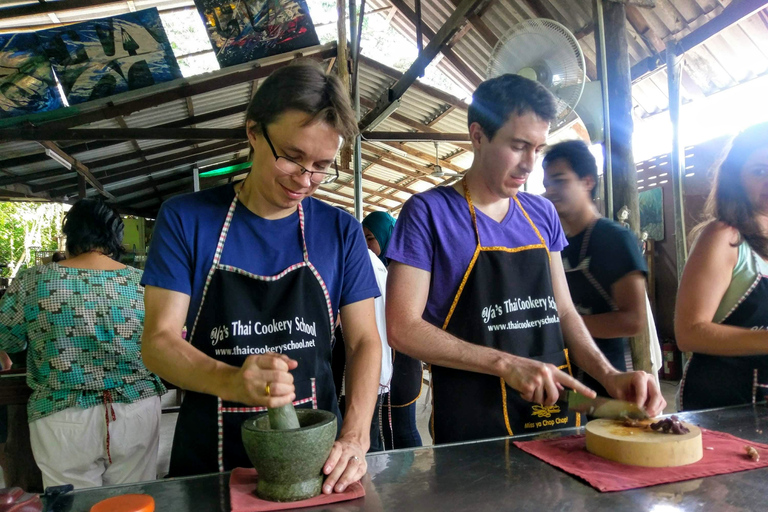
[{"x": 722, "y": 304}]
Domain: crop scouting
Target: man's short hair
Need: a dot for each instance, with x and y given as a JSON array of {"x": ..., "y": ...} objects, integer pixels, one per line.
[
  {"x": 495, "y": 100},
  {"x": 578, "y": 156},
  {"x": 304, "y": 86}
]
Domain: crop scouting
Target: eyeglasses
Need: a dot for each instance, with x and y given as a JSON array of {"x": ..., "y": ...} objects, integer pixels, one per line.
[{"x": 293, "y": 168}]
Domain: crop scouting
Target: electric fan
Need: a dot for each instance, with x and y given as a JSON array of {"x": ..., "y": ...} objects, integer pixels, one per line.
[
  {"x": 545, "y": 51},
  {"x": 438, "y": 171}
]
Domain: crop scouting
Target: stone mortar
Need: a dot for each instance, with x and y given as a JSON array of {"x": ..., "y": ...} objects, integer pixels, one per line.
[{"x": 290, "y": 462}]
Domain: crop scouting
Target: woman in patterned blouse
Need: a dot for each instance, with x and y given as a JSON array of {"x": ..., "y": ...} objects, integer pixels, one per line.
[{"x": 94, "y": 413}]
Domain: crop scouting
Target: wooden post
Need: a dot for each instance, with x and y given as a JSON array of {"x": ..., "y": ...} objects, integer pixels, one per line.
[
  {"x": 356, "y": 153},
  {"x": 342, "y": 68},
  {"x": 81, "y": 192},
  {"x": 624, "y": 173},
  {"x": 621, "y": 127},
  {"x": 674, "y": 69}
]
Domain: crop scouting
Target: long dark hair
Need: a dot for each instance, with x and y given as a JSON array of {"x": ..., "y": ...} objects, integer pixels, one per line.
[
  {"x": 91, "y": 225},
  {"x": 728, "y": 201}
]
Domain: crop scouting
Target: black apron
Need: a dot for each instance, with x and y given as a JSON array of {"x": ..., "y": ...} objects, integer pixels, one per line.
[
  {"x": 407, "y": 375},
  {"x": 718, "y": 381},
  {"x": 587, "y": 293},
  {"x": 243, "y": 314},
  {"x": 505, "y": 302}
]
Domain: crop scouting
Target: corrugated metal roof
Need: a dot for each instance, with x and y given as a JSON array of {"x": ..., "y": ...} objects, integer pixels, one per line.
[
  {"x": 738, "y": 54},
  {"x": 221, "y": 99},
  {"x": 18, "y": 148},
  {"x": 167, "y": 112}
]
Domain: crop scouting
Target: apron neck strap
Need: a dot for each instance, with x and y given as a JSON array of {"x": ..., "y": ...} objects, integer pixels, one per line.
[
  {"x": 472, "y": 212},
  {"x": 224, "y": 231},
  {"x": 228, "y": 222},
  {"x": 757, "y": 260},
  {"x": 585, "y": 241},
  {"x": 303, "y": 238}
]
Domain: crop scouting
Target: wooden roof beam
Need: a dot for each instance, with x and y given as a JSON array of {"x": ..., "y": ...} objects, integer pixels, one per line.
[
  {"x": 436, "y": 43},
  {"x": 381, "y": 160},
  {"x": 420, "y": 86},
  {"x": 371, "y": 192},
  {"x": 79, "y": 148},
  {"x": 150, "y": 183},
  {"x": 442, "y": 115},
  {"x": 732, "y": 14},
  {"x": 416, "y": 137},
  {"x": 540, "y": 10},
  {"x": 322, "y": 196},
  {"x": 154, "y": 165},
  {"x": 400, "y": 118},
  {"x": 479, "y": 25},
  {"x": 638, "y": 22},
  {"x": 46, "y": 133},
  {"x": 95, "y": 164},
  {"x": 145, "y": 171},
  {"x": 466, "y": 71},
  {"x": 182, "y": 88},
  {"x": 184, "y": 187},
  {"x": 379, "y": 181},
  {"x": 407, "y": 121},
  {"x": 424, "y": 156},
  {"x": 414, "y": 170},
  {"x": 346, "y": 196},
  {"x": 75, "y": 164}
]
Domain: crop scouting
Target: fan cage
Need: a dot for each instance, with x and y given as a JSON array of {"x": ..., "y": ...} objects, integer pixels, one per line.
[{"x": 540, "y": 40}]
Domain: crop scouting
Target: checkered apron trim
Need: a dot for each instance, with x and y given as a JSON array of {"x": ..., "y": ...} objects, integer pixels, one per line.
[
  {"x": 216, "y": 265},
  {"x": 755, "y": 383}
]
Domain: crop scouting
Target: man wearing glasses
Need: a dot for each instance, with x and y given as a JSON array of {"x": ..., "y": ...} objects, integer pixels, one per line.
[{"x": 258, "y": 272}]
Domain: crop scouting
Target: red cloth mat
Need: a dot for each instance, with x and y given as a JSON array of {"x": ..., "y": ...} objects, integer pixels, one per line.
[
  {"x": 242, "y": 495},
  {"x": 570, "y": 454}
]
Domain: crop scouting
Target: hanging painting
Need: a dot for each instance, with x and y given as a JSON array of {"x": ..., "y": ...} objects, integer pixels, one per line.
[
  {"x": 245, "y": 30},
  {"x": 652, "y": 213},
  {"x": 100, "y": 58},
  {"x": 27, "y": 84}
]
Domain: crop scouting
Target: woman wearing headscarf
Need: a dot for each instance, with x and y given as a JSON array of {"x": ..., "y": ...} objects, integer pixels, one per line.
[
  {"x": 94, "y": 413},
  {"x": 398, "y": 414}
]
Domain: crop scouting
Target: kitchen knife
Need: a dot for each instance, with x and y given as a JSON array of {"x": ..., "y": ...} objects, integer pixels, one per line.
[{"x": 601, "y": 407}]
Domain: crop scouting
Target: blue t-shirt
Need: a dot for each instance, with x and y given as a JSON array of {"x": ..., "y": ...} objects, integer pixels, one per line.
[
  {"x": 187, "y": 231},
  {"x": 434, "y": 233}
]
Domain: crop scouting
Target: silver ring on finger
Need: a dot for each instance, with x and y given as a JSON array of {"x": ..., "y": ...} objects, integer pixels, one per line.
[{"x": 355, "y": 458}]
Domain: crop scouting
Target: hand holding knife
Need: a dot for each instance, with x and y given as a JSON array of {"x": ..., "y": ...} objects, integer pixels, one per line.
[{"x": 601, "y": 407}]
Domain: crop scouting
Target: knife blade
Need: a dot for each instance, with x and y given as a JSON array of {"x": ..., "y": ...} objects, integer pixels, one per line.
[{"x": 602, "y": 407}]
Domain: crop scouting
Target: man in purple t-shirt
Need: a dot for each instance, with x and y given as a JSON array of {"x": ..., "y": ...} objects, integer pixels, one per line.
[{"x": 476, "y": 285}]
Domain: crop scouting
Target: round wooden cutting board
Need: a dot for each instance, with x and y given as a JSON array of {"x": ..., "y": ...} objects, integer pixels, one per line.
[{"x": 641, "y": 446}]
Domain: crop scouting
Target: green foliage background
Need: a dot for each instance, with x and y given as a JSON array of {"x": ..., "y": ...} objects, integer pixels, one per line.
[{"x": 27, "y": 227}]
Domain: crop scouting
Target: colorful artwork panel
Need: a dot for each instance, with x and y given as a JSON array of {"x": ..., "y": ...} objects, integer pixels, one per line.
[
  {"x": 100, "y": 58},
  {"x": 27, "y": 84},
  {"x": 246, "y": 30}
]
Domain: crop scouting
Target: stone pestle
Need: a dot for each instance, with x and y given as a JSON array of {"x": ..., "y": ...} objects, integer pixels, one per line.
[{"x": 283, "y": 418}]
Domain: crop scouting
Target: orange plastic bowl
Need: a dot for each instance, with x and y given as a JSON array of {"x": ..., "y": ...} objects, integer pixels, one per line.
[{"x": 126, "y": 503}]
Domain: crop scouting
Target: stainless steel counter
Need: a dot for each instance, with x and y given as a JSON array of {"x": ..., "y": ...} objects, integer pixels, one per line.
[{"x": 492, "y": 476}]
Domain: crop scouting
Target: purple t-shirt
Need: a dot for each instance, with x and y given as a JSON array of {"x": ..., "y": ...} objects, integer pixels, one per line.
[{"x": 434, "y": 233}]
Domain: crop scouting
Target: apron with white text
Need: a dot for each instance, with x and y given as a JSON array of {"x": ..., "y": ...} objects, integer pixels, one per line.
[
  {"x": 505, "y": 302},
  {"x": 243, "y": 314}
]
